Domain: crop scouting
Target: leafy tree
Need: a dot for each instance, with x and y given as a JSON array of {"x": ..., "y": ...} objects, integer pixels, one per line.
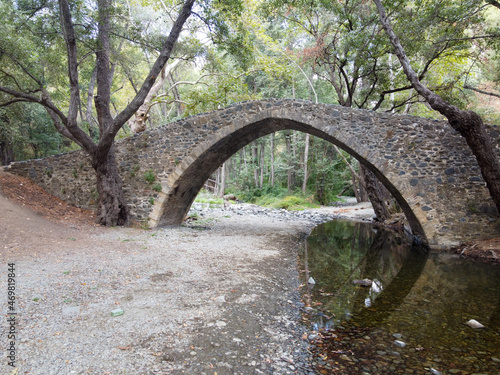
[
  {"x": 26, "y": 131},
  {"x": 36, "y": 69}
]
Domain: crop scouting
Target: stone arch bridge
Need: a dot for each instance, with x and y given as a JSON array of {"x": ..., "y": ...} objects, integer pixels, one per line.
[{"x": 424, "y": 163}]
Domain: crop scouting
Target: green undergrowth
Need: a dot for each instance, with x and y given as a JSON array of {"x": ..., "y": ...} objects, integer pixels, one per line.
[
  {"x": 206, "y": 197},
  {"x": 289, "y": 202},
  {"x": 278, "y": 198}
]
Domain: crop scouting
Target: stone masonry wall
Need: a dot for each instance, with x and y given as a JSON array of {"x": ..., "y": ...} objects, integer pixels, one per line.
[{"x": 424, "y": 163}]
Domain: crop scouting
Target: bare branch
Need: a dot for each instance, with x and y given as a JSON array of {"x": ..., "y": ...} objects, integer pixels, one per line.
[
  {"x": 481, "y": 91},
  {"x": 24, "y": 68},
  {"x": 384, "y": 93},
  {"x": 16, "y": 100},
  {"x": 203, "y": 83}
]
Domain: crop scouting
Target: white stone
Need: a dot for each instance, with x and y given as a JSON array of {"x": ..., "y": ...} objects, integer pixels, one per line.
[{"x": 474, "y": 324}]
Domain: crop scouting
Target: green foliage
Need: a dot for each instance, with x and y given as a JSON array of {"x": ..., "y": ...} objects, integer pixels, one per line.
[
  {"x": 134, "y": 170},
  {"x": 290, "y": 202},
  {"x": 28, "y": 130},
  {"x": 206, "y": 197},
  {"x": 149, "y": 176},
  {"x": 157, "y": 187}
]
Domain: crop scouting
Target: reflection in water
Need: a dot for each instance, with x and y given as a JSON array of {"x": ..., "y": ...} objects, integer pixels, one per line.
[{"x": 423, "y": 299}]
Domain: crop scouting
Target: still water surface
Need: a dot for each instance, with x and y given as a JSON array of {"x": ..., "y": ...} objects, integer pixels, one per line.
[{"x": 422, "y": 300}]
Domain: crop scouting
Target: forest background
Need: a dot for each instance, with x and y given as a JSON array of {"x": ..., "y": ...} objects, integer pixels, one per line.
[{"x": 231, "y": 51}]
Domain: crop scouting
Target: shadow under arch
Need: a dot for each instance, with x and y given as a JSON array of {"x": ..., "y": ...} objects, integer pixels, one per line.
[{"x": 174, "y": 204}]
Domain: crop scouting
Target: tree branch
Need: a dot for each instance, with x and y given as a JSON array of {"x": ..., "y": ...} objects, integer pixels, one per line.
[
  {"x": 481, "y": 91},
  {"x": 127, "y": 113},
  {"x": 70, "y": 39},
  {"x": 25, "y": 69}
]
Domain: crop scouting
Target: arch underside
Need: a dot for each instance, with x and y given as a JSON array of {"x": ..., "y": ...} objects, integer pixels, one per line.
[{"x": 181, "y": 194}]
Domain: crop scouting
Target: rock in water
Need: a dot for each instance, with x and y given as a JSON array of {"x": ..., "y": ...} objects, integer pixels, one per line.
[
  {"x": 474, "y": 324},
  {"x": 399, "y": 343},
  {"x": 311, "y": 281},
  {"x": 364, "y": 282}
]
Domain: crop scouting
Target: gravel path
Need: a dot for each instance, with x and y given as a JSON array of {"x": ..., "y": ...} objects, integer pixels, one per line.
[{"x": 217, "y": 296}]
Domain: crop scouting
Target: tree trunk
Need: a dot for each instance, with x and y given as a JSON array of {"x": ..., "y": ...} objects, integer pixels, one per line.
[
  {"x": 244, "y": 159},
  {"x": 176, "y": 94},
  {"x": 290, "y": 167},
  {"x": 6, "y": 153},
  {"x": 357, "y": 192},
  {"x": 306, "y": 158},
  {"x": 255, "y": 163},
  {"x": 375, "y": 194},
  {"x": 112, "y": 207},
  {"x": 272, "y": 161},
  {"x": 222, "y": 180},
  {"x": 88, "y": 112},
  {"x": 262, "y": 162}
]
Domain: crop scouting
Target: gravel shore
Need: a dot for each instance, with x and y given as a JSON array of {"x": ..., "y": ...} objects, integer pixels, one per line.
[{"x": 219, "y": 295}]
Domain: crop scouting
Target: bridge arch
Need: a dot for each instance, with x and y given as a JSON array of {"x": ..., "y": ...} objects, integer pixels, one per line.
[{"x": 188, "y": 180}]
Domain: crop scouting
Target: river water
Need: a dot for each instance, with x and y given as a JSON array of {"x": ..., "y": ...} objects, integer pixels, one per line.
[{"x": 411, "y": 318}]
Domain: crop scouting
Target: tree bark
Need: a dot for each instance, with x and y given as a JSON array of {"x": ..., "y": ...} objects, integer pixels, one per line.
[
  {"x": 6, "y": 153},
  {"x": 255, "y": 164},
  {"x": 272, "y": 161},
  {"x": 176, "y": 94},
  {"x": 90, "y": 94},
  {"x": 112, "y": 206},
  {"x": 306, "y": 159},
  {"x": 262, "y": 162},
  {"x": 375, "y": 194},
  {"x": 290, "y": 166},
  {"x": 222, "y": 180},
  {"x": 468, "y": 123}
]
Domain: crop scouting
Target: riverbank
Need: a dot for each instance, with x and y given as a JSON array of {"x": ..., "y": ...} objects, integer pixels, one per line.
[{"x": 218, "y": 295}]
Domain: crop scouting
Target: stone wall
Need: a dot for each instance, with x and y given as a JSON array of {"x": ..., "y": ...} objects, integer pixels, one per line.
[{"x": 424, "y": 163}]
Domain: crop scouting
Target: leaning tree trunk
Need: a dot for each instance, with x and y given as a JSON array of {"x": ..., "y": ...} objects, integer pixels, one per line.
[
  {"x": 112, "y": 207},
  {"x": 376, "y": 194}
]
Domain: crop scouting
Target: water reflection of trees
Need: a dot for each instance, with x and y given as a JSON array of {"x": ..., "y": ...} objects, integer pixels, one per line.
[{"x": 340, "y": 252}]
